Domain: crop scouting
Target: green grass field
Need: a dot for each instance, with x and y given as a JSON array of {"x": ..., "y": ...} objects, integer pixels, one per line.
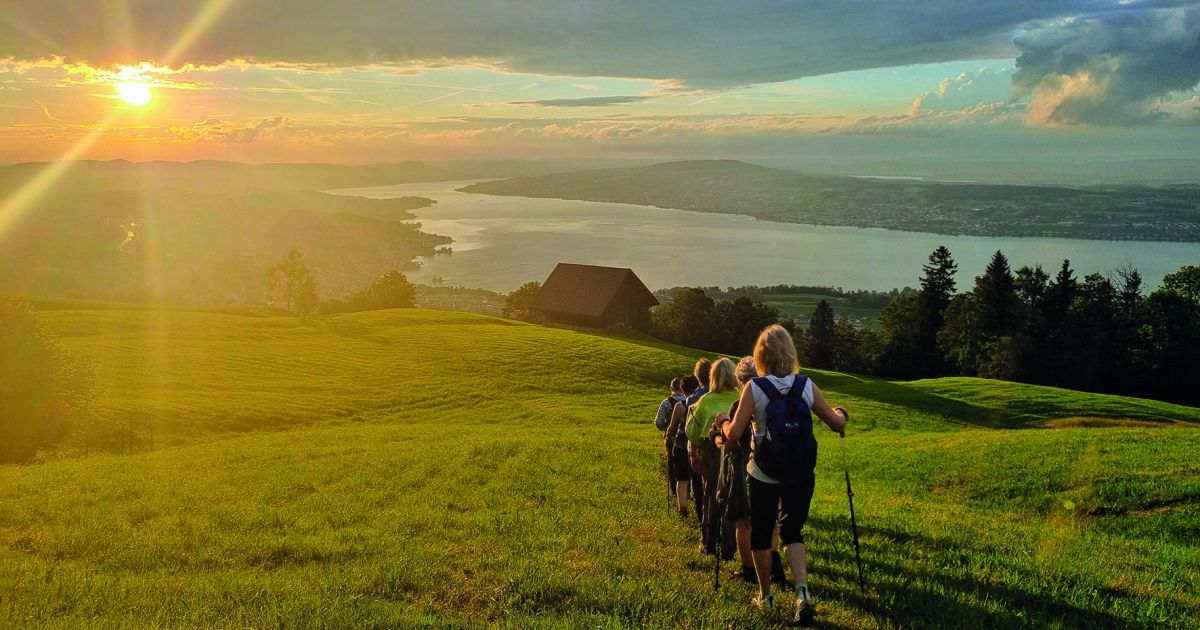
[
  {"x": 432, "y": 469},
  {"x": 800, "y": 307}
]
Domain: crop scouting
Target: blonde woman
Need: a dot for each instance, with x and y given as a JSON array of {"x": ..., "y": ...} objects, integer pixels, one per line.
[
  {"x": 779, "y": 404},
  {"x": 722, "y": 392},
  {"x": 733, "y": 502}
]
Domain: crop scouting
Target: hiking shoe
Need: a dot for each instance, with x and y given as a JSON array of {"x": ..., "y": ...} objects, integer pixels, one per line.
[
  {"x": 805, "y": 612},
  {"x": 748, "y": 575},
  {"x": 682, "y": 512},
  {"x": 764, "y": 604},
  {"x": 777, "y": 574}
]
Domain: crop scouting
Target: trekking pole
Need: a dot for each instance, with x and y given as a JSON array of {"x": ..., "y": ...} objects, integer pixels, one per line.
[
  {"x": 720, "y": 527},
  {"x": 717, "y": 562},
  {"x": 853, "y": 523}
]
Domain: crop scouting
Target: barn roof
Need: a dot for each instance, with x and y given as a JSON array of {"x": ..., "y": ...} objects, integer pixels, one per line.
[{"x": 585, "y": 289}]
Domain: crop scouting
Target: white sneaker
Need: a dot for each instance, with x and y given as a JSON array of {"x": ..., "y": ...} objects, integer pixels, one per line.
[{"x": 764, "y": 604}]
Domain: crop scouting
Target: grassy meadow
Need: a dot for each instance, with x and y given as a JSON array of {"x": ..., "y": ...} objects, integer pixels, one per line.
[
  {"x": 416, "y": 468},
  {"x": 800, "y": 307}
]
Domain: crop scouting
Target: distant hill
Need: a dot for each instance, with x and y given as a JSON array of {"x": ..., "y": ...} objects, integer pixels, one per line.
[
  {"x": 1167, "y": 213},
  {"x": 204, "y": 246},
  {"x": 202, "y": 232}
]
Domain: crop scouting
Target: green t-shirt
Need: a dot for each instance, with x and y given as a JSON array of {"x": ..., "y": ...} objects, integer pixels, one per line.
[{"x": 703, "y": 411}]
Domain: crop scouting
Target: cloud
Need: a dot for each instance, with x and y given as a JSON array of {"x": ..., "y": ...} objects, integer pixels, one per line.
[
  {"x": 967, "y": 90},
  {"x": 702, "y": 43},
  {"x": 1117, "y": 68},
  {"x": 585, "y": 101},
  {"x": 213, "y": 129}
]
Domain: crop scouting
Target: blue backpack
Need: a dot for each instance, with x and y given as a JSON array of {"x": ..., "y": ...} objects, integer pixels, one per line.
[{"x": 787, "y": 451}]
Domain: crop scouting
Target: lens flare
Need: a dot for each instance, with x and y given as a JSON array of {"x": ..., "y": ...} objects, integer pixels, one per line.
[{"x": 136, "y": 94}]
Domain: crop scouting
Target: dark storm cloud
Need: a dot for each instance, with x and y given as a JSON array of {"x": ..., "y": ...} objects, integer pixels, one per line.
[
  {"x": 1113, "y": 68},
  {"x": 586, "y": 101},
  {"x": 702, "y": 43}
]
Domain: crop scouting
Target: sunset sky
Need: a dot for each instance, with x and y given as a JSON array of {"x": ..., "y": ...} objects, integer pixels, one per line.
[{"x": 367, "y": 81}]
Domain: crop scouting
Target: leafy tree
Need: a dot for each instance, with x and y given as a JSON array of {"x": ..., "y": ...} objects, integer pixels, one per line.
[
  {"x": 306, "y": 298},
  {"x": 1169, "y": 340},
  {"x": 821, "y": 337},
  {"x": 516, "y": 304},
  {"x": 854, "y": 347},
  {"x": 960, "y": 339},
  {"x": 393, "y": 290},
  {"x": 1030, "y": 284},
  {"x": 735, "y": 325},
  {"x": 289, "y": 280},
  {"x": 685, "y": 319},
  {"x": 44, "y": 391},
  {"x": 899, "y": 339},
  {"x": 1185, "y": 282}
]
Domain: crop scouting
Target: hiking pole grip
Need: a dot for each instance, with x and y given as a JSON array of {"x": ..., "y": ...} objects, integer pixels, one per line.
[{"x": 853, "y": 521}]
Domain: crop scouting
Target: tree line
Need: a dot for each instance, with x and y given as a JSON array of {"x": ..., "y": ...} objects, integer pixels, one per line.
[
  {"x": 1097, "y": 333},
  {"x": 859, "y": 298},
  {"x": 289, "y": 281}
]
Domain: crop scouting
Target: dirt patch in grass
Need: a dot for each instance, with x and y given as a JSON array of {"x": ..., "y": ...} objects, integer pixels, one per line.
[{"x": 1102, "y": 423}]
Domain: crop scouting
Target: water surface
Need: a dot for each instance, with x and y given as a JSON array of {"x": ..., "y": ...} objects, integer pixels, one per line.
[{"x": 502, "y": 242}]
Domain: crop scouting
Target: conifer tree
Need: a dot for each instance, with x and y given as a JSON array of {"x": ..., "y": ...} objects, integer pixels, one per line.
[
  {"x": 821, "y": 337},
  {"x": 995, "y": 294},
  {"x": 937, "y": 287}
]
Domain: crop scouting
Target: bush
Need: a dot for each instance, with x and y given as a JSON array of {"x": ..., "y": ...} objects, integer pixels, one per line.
[
  {"x": 392, "y": 290},
  {"x": 46, "y": 391}
]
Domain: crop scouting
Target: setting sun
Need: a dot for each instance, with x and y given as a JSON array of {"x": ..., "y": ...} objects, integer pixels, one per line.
[{"x": 136, "y": 94}]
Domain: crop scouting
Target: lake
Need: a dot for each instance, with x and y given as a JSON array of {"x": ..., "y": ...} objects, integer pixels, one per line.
[{"x": 502, "y": 242}]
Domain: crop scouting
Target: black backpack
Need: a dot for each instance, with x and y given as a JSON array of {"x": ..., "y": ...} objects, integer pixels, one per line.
[{"x": 787, "y": 451}]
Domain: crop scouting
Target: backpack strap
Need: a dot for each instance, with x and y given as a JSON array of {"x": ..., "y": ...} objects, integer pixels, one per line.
[
  {"x": 798, "y": 387},
  {"x": 768, "y": 388}
]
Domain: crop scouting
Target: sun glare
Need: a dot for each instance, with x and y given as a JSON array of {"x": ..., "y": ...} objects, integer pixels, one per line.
[{"x": 136, "y": 94}]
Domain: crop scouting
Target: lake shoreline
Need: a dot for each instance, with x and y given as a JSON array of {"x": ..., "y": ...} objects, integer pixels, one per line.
[{"x": 502, "y": 241}]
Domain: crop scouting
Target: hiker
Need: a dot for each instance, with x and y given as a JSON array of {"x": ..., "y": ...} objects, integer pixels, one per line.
[
  {"x": 701, "y": 372},
  {"x": 676, "y": 444},
  {"x": 780, "y": 403},
  {"x": 663, "y": 420},
  {"x": 723, "y": 391},
  {"x": 733, "y": 503}
]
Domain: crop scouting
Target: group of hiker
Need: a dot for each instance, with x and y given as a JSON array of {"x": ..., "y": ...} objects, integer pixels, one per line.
[{"x": 740, "y": 439}]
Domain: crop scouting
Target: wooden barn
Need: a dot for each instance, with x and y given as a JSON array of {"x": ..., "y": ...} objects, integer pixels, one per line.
[{"x": 593, "y": 298}]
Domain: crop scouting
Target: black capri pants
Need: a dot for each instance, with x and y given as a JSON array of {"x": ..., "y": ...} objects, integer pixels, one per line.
[{"x": 765, "y": 499}]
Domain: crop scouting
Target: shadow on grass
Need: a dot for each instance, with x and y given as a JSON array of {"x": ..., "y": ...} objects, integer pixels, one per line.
[
  {"x": 646, "y": 341},
  {"x": 899, "y": 394},
  {"x": 942, "y": 593}
]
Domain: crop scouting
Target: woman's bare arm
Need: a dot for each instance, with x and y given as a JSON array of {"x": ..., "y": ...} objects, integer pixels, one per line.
[
  {"x": 834, "y": 418},
  {"x": 676, "y": 421}
]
